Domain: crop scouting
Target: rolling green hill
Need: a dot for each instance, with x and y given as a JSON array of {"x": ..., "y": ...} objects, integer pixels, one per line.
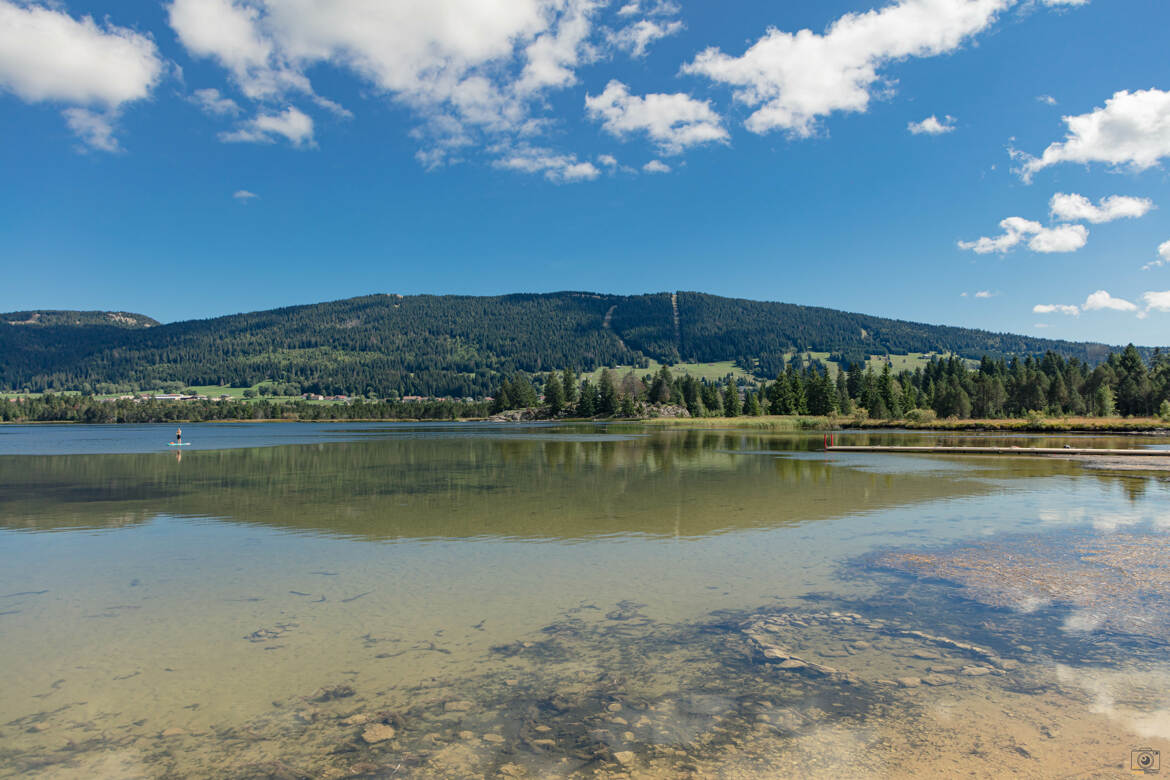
[{"x": 458, "y": 345}]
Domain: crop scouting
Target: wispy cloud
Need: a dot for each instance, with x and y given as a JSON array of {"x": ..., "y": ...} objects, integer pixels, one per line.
[
  {"x": 212, "y": 102},
  {"x": 243, "y": 196},
  {"x": 1163, "y": 257},
  {"x": 560, "y": 168},
  {"x": 292, "y": 124}
]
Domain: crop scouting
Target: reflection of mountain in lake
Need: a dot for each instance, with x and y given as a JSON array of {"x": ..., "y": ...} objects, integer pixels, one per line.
[{"x": 557, "y": 486}]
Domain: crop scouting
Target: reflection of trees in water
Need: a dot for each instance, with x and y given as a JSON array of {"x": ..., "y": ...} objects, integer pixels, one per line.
[{"x": 543, "y": 486}]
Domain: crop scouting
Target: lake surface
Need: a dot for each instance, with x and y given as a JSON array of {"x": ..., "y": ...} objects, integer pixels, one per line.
[{"x": 476, "y": 600}]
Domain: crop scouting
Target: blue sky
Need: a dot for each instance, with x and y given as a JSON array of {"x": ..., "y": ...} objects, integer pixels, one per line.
[{"x": 199, "y": 157}]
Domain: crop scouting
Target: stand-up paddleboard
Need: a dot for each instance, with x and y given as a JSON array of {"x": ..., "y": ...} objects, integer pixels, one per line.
[{"x": 177, "y": 444}]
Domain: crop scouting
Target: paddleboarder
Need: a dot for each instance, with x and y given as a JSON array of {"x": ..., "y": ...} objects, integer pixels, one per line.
[{"x": 179, "y": 436}]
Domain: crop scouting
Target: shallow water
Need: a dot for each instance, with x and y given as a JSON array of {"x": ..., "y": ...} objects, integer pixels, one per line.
[{"x": 483, "y": 600}]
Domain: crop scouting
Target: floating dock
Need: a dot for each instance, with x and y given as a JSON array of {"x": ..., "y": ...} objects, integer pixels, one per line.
[{"x": 1027, "y": 451}]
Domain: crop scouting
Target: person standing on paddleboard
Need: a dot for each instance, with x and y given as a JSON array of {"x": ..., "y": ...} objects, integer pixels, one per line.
[{"x": 179, "y": 436}]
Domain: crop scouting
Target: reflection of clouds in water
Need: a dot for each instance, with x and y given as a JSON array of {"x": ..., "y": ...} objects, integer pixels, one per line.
[
  {"x": 1106, "y": 522},
  {"x": 838, "y": 751},
  {"x": 1031, "y": 603},
  {"x": 1116, "y": 520},
  {"x": 1138, "y": 699},
  {"x": 1082, "y": 621},
  {"x": 1063, "y": 516}
]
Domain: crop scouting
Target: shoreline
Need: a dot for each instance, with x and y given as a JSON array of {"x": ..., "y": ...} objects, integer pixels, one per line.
[{"x": 1147, "y": 426}]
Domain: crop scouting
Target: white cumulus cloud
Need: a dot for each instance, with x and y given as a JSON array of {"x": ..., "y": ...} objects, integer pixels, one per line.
[
  {"x": 48, "y": 56},
  {"x": 1056, "y": 308},
  {"x": 793, "y": 79},
  {"x": 243, "y": 196},
  {"x": 1070, "y": 206},
  {"x": 985, "y": 294},
  {"x": 1157, "y": 301},
  {"x": 674, "y": 122},
  {"x": 656, "y": 166},
  {"x": 291, "y": 124},
  {"x": 932, "y": 126},
  {"x": 1132, "y": 129},
  {"x": 1103, "y": 300},
  {"x": 474, "y": 72},
  {"x": 1062, "y": 238}
]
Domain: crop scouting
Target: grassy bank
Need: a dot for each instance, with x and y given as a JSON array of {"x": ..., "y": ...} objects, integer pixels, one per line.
[{"x": 812, "y": 423}]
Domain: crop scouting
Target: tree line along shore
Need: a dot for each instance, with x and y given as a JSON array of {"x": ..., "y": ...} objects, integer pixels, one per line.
[{"x": 1052, "y": 392}]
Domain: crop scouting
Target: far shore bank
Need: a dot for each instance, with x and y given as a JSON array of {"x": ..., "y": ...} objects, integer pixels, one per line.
[{"x": 774, "y": 423}]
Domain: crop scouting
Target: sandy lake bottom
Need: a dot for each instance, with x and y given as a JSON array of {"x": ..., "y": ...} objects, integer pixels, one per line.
[{"x": 541, "y": 601}]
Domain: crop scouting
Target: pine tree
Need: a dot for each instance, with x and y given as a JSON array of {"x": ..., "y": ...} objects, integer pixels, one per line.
[
  {"x": 692, "y": 397},
  {"x": 626, "y": 406},
  {"x": 503, "y": 398},
  {"x": 587, "y": 399},
  {"x": 660, "y": 388},
  {"x": 731, "y": 405},
  {"x": 797, "y": 390},
  {"x": 554, "y": 395},
  {"x": 712, "y": 401},
  {"x": 569, "y": 385},
  {"x": 751, "y": 405},
  {"x": 607, "y": 400}
]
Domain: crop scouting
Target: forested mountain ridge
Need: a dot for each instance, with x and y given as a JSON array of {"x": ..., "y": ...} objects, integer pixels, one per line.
[
  {"x": 460, "y": 346},
  {"x": 43, "y": 317}
]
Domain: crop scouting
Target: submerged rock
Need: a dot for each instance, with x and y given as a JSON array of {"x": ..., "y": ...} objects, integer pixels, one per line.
[
  {"x": 332, "y": 692},
  {"x": 458, "y": 706},
  {"x": 625, "y": 757},
  {"x": 379, "y": 732}
]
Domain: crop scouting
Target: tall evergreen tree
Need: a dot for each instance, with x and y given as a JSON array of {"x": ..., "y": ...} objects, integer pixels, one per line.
[
  {"x": 587, "y": 399},
  {"x": 554, "y": 395},
  {"x": 569, "y": 385},
  {"x": 607, "y": 398},
  {"x": 731, "y": 404}
]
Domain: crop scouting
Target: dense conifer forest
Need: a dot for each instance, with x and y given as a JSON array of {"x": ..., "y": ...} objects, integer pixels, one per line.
[
  {"x": 1122, "y": 385},
  {"x": 391, "y": 346}
]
